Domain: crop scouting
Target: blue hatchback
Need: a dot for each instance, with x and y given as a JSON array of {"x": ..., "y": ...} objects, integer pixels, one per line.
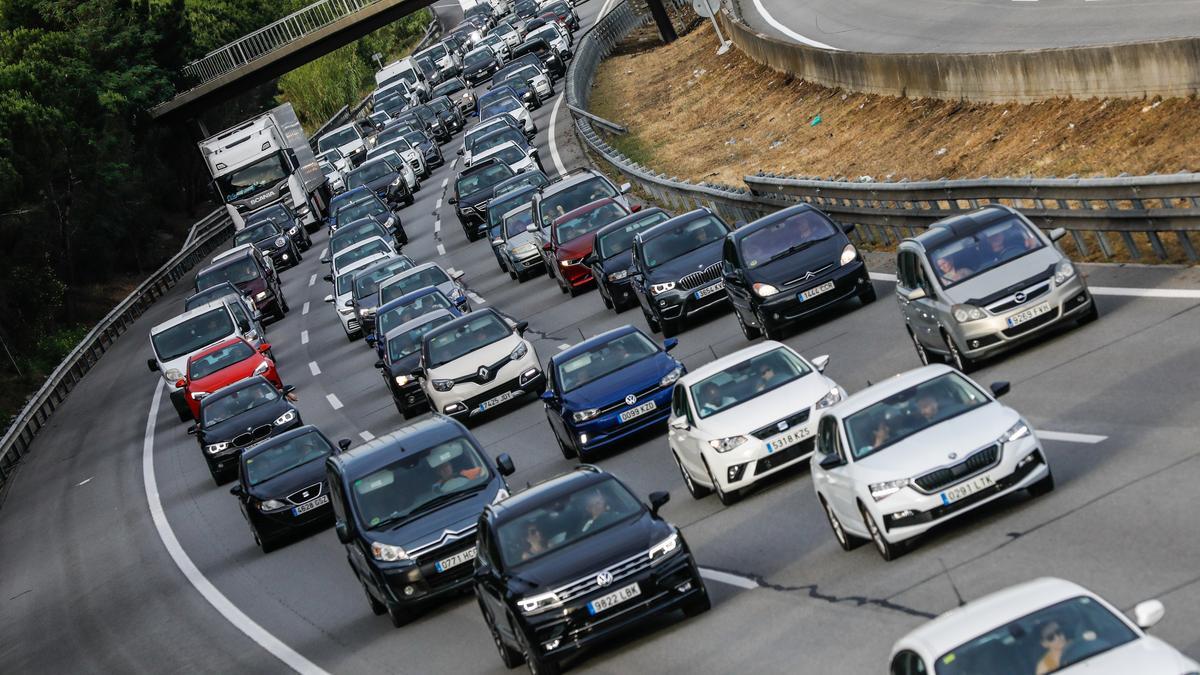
[{"x": 608, "y": 388}]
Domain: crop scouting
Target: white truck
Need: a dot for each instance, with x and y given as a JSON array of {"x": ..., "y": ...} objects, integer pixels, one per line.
[
  {"x": 405, "y": 69},
  {"x": 264, "y": 161}
]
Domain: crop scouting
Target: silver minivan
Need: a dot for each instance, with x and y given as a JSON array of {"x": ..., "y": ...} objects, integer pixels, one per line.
[{"x": 974, "y": 285}]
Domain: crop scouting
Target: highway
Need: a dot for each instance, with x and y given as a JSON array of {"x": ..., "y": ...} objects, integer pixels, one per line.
[
  {"x": 946, "y": 26},
  {"x": 93, "y": 578}
]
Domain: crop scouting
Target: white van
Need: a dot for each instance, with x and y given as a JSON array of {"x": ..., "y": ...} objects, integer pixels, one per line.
[{"x": 405, "y": 69}]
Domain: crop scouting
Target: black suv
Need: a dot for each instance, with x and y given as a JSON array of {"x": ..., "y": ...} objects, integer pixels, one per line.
[
  {"x": 246, "y": 268},
  {"x": 267, "y": 237},
  {"x": 238, "y": 416},
  {"x": 573, "y": 560},
  {"x": 552, "y": 62},
  {"x": 789, "y": 265},
  {"x": 283, "y": 216},
  {"x": 406, "y": 507},
  {"x": 677, "y": 269},
  {"x": 612, "y": 256},
  {"x": 472, "y": 190}
]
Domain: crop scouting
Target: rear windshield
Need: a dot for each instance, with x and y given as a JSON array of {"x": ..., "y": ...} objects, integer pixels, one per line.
[
  {"x": 189, "y": 336},
  {"x": 398, "y": 316},
  {"x": 583, "y": 225},
  {"x": 683, "y": 239},
  {"x": 235, "y": 272},
  {"x": 218, "y": 360},
  {"x": 283, "y": 457},
  {"x": 430, "y": 276},
  {"x": 620, "y": 240}
]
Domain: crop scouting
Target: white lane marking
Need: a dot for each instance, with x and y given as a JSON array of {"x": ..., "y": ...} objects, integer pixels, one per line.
[
  {"x": 553, "y": 132},
  {"x": 1070, "y": 437},
  {"x": 445, "y": 182},
  {"x": 85, "y": 481},
  {"x": 451, "y": 271},
  {"x": 304, "y": 309},
  {"x": 366, "y": 436},
  {"x": 324, "y": 251},
  {"x": 564, "y": 346},
  {"x": 438, "y": 205},
  {"x": 303, "y": 337},
  {"x": 290, "y": 657},
  {"x": 476, "y": 298},
  {"x": 313, "y": 279},
  {"x": 453, "y": 164},
  {"x": 727, "y": 578},
  {"x": 333, "y": 401},
  {"x": 314, "y": 368},
  {"x": 437, "y": 226},
  {"x": 1171, "y": 293},
  {"x": 883, "y": 276},
  {"x": 788, "y": 31},
  {"x": 441, "y": 249}
]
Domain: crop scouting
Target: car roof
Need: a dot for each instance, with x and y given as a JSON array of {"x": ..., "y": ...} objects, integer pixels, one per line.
[
  {"x": 956, "y": 227},
  {"x": 419, "y": 321},
  {"x": 770, "y": 219},
  {"x": 380, "y": 264},
  {"x": 494, "y": 150},
  {"x": 359, "y": 265},
  {"x": 572, "y": 179},
  {"x": 280, "y": 439},
  {"x": 633, "y": 217},
  {"x": 593, "y": 342},
  {"x": 376, "y": 454},
  {"x": 360, "y": 244},
  {"x": 190, "y": 314},
  {"x": 229, "y": 254},
  {"x": 476, "y": 167},
  {"x": 563, "y": 485},
  {"x": 725, "y": 362},
  {"x": 667, "y": 225},
  {"x": 214, "y": 347},
  {"x": 585, "y": 209},
  {"x": 894, "y": 384},
  {"x": 234, "y": 387}
]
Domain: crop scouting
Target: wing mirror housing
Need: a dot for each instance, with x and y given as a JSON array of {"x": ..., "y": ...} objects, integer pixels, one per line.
[
  {"x": 343, "y": 445},
  {"x": 458, "y": 275},
  {"x": 590, "y": 259},
  {"x": 237, "y": 491},
  {"x": 326, "y": 260},
  {"x": 343, "y": 532},
  {"x": 626, "y": 187},
  {"x": 670, "y": 343},
  {"x": 831, "y": 461},
  {"x": 505, "y": 464},
  {"x": 328, "y": 277},
  {"x": 521, "y": 327},
  {"x": 264, "y": 348},
  {"x": 452, "y": 200},
  {"x": 915, "y": 294},
  {"x": 679, "y": 424},
  {"x": 497, "y": 242},
  {"x": 348, "y": 303},
  {"x": 547, "y": 396},
  {"x": 288, "y": 389},
  {"x": 379, "y": 364},
  {"x": 531, "y": 228},
  {"x": 191, "y": 430},
  {"x": 370, "y": 340},
  {"x": 658, "y": 499},
  {"x": 1148, "y": 613},
  {"x": 847, "y": 227},
  {"x": 152, "y": 365},
  {"x": 1000, "y": 388},
  {"x": 546, "y": 246},
  {"x": 328, "y": 298},
  {"x": 821, "y": 362},
  {"x": 1057, "y": 233}
]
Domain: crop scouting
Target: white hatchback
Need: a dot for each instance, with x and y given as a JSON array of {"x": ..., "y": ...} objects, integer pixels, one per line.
[
  {"x": 746, "y": 416},
  {"x": 343, "y": 292}
]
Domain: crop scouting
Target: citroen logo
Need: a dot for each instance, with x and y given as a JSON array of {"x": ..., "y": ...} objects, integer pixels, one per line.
[
  {"x": 953, "y": 455},
  {"x": 809, "y": 274},
  {"x": 1019, "y": 297},
  {"x": 483, "y": 372},
  {"x": 603, "y": 579},
  {"x": 630, "y": 399}
]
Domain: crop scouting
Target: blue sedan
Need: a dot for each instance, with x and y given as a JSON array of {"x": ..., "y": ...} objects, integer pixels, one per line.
[{"x": 608, "y": 388}]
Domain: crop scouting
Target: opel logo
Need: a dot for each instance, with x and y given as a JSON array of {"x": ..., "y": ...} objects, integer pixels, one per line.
[
  {"x": 630, "y": 399},
  {"x": 603, "y": 579},
  {"x": 483, "y": 372},
  {"x": 1019, "y": 297},
  {"x": 953, "y": 455}
]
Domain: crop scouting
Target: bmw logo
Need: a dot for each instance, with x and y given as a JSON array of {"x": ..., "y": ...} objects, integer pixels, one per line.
[
  {"x": 630, "y": 399},
  {"x": 604, "y": 579},
  {"x": 1019, "y": 297}
]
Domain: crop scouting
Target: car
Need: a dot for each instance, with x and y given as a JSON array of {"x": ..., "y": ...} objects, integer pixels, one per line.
[
  {"x": 514, "y": 88},
  {"x": 384, "y": 178},
  {"x": 612, "y": 256},
  {"x": 573, "y": 560},
  {"x": 405, "y": 308},
  {"x": 787, "y": 267},
  {"x": 448, "y": 63},
  {"x": 421, "y": 276},
  {"x": 458, "y": 90},
  {"x": 1043, "y": 625},
  {"x": 576, "y": 189},
  {"x": 406, "y": 507},
  {"x": 513, "y": 108},
  {"x": 247, "y": 268},
  {"x": 394, "y": 138},
  {"x": 335, "y": 158},
  {"x": 918, "y": 450},
  {"x": 746, "y": 416},
  {"x": 428, "y": 147},
  {"x": 237, "y": 416},
  {"x": 500, "y": 204},
  {"x": 473, "y": 190},
  {"x": 281, "y": 487},
  {"x": 566, "y": 15},
  {"x": 287, "y": 221},
  {"x": 480, "y": 144},
  {"x": 267, "y": 237},
  {"x": 608, "y": 388},
  {"x": 435, "y": 124},
  {"x": 451, "y": 116},
  {"x": 343, "y": 292},
  {"x": 405, "y": 160},
  {"x": 518, "y": 158},
  {"x": 975, "y": 285},
  {"x": 534, "y": 179},
  {"x": 531, "y": 78},
  {"x": 243, "y": 307},
  {"x": 484, "y": 128},
  {"x": 498, "y": 46},
  {"x": 402, "y": 354},
  {"x": 373, "y": 209},
  {"x": 479, "y": 64},
  {"x": 552, "y": 60},
  {"x": 346, "y": 139},
  {"x": 365, "y": 298},
  {"x": 518, "y": 64},
  {"x": 337, "y": 183},
  {"x": 477, "y": 363},
  {"x": 519, "y": 245},
  {"x": 364, "y": 248},
  {"x": 506, "y": 32},
  {"x": 556, "y": 35},
  {"x": 677, "y": 269},
  {"x": 571, "y": 239},
  {"x": 223, "y": 363},
  {"x": 344, "y": 200}
]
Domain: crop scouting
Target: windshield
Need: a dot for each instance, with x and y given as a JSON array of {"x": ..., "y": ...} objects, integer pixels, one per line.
[
  {"x": 208, "y": 295},
  {"x": 236, "y": 272},
  {"x": 367, "y": 283},
  {"x": 337, "y": 139},
  {"x": 431, "y": 276},
  {"x": 345, "y": 282},
  {"x": 331, "y": 155},
  {"x": 419, "y": 481},
  {"x": 603, "y": 360},
  {"x": 563, "y": 202},
  {"x": 747, "y": 380},
  {"x": 491, "y": 140},
  {"x": 478, "y": 331},
  {"x": 255, "y": 233},
  {"x": 499, "y": 206},
  {"x": 220, "y": 407},
  {"x": 510, "y": 154},
  {"x": 516, "y": 221},
  {"x": 482, "y": 179},
  {"x": 347, "y": 237},
  {"x": 583, "y": 225},
  {"x": 683, "y": 239},
  {"x": 449, "y": 87},
  {"x": 525, "y": 74},
  {"x": 528, "y": 179},
  {"x": 1070, "y": 631},
  {"x": 499, "y": 107},
  {"x": 621, "y": 239},
  {"x": 368, "y": 173},
  {"x": 364, "y": 209},
  {"x": 418, "y": 307},
  {"x": 478, "y": 58},
  {"x": 283, "y": 457},
  {"x": 249, "y": 180},
  {"x": 984, "y": 250},
  {"x": 909, "y": 412},
  {"x": 417, "y": 138},
  {"x": 564, "y": 521},
  {"x": 196, "y": 332},
  {"x": 409, "y": 342},
  {"x": 368, "y": 248},
  {"x": 224, "y": 357},
  {"x": 781, "y": 239}
]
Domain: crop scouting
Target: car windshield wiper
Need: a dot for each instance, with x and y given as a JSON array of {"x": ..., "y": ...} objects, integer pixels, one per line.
[
  {"x": 794, "y": 248},
  {"x": 440, "y": 500}
]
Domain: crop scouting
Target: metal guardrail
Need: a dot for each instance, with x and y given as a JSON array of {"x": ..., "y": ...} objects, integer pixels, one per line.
[{"x": 1125, "y": 217}]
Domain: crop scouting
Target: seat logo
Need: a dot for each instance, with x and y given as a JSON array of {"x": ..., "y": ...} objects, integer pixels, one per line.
[
  {"x": 782, "y": 426},
  {"x": 630, "y": 399},
  {"x": 304, "y": 495},
  {"x": 604, "y": 579},
  {"x": 483, "y": 372},
  {"x": 1019, "y": 297}
]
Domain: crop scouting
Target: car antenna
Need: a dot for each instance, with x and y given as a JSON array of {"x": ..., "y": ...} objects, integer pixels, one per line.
[
  {"x": 581, "y": 337},
  {"x": 949, "y": 578},
  {"x": 868, "y": 381},
  {"x": 714, "y": 352}
]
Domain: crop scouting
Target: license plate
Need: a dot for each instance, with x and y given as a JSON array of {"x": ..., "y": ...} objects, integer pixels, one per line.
[
  {"x": 814, "y": 292},
  {"x": 967, "y": 489},
  {"x": 492, "y": 403},
  {"x": 455, "y": 560},
  {"x": 1032, "y": 312},
  {"x": 613, "y": 599},
  {"x": 637, "y": 412},
  {"x": 309, "y": 506},
  {"x": 707, "y": 291},
  {"x": 787, "y": 439}
]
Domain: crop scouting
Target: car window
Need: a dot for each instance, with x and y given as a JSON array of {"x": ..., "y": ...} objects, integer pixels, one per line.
[
  {"x": 516, "y": 221},
  {"x": 430, "y": 276},
  {"x": 510, "y": 154},
  {"x": 239, "y": 314},
  {"x": 368, "y": 173},
  {"x": 565, "y": 521},
  {"x": 409, "y": 342},
  {"x": 418, "y": 482},
  {"x": 235, "y": 272},
  {"x": 418, "y": 307},
  {"x": 783, "y": 238},
  {"x": 620, "y": 240},
  {"x": 988, "y": 248},
  {"x": 682, "y": 239},
  {"x": 363, "y": 209},
  {"x": 217, "y": 408},
  {"x": 192, "y": 334},
  {"x": 587, "y": 223},
  {"x": 499, "y": 107},
  {"x": 910, "y": 411},
  {"x": 746, "y": 380},
  {"x": 478, "y": 58},
  {"x": 480, "y": 330},
  {"x": 449, "y": 87},
  {"x": 256, "y": 233},
  {"x": 499, "y": 137},
  {"x": 347, "y": 237},
  {"x": 499, "y": 206},
  {"x": 224, "y": 357},
  {"x": 483, "y": 179},
  {"x": 367, "y": 283},
  {"x": 283, "y": 457},
  {"x": 369, "y": 248},
  {"x": 603, "y": 360},
  {"x": 562, "y": 202},
  {"x": 338, "y": 138}
]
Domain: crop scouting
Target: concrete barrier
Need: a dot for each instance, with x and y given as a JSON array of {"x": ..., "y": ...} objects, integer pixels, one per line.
[{"x": 1165, "y": 68}]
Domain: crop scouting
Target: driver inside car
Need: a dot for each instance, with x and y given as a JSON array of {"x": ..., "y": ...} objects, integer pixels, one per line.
[{"x": 447, "y": 477}]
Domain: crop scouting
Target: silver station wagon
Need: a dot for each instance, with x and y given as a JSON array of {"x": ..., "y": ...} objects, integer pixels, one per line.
[{"x": 974, "y": 285}]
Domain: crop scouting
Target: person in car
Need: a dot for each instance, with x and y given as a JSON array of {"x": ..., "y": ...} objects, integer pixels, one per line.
[
  {"x": 1004, "y": 244},
  {"x": 1055, "y": 642},
  {"x": 535, "y": 542},
  {"x": 597, "y": 510},
  {"x": 448, "y": 477},
  {"x": 713, "y": 400},
  {"x": 949, "y": 271},
  {"x": 927, "y": 405},
  {"x": 766, "y": 377}
]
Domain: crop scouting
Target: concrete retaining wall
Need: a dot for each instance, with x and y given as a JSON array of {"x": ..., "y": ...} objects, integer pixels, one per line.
[{"x": 1167, "y": 68}]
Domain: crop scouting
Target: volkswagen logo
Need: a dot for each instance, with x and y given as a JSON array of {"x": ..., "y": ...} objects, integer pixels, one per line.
[
  {"x": 953, "y": 455},
  {"x": 603, "y": 579},
  {"x": 630, "y": 399},
  {"x": 483, "y": 372},
  {"x": 1019, "y": 297}
]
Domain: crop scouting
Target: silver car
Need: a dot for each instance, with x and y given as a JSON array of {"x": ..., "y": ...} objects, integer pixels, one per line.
[
  {"x": 520, "y": 246},
  {"x": 974, "y": 285}
]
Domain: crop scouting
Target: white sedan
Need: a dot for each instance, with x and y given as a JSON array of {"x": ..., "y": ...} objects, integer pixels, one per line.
[
  {"x": 900, "y": 457},
  {"x": 1041, "y": 626},
  {"x": 746, "y": 416}
]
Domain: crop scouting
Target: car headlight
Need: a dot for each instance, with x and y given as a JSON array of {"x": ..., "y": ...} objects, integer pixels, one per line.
[
  {"x": 664, "y": 548},
  {"x": 294, "y": 229},
  {"x": 501, "y": 495},
  {"x": 849, "y": 254},
  {"x": 302, "y": 212},
  {"x": 726, "y": 444},
  {"x": 285, "y": 417},
  {"x": 585, "y": 415},
  {"x": 367, "y": 311},
  {"x": 519, "y": 351},
  {"x": 671, "y": 377},
  {"x": 618, "y": 275},
  {"x": 968, "y": 313},
  {"x": 536, "y": 604},
  {"x": 262, "y": 368},
  {"x": 443, "y": 385},
  {"x": 173, "y": 375},
  {"x": 280, "y": 242},
  {"x": 387, "y": 552},
  {"x": 1018, "y": 431},
  {"x": 765, "y": 290},
  {"x": 829, "y": 399},
  {"x": 271, "y": 505},
  {"x": 657, "y": 289},
  {"x": 261, "y": 295},
  {"x": 402, "y": 380},
  {"x": 396, "y": 183},
  {"x": 1063, "y": 271},
  {"x": 571, "y": 261},
  {"x": 214, "y": 448},
  {"x": 881, "y": 491}
]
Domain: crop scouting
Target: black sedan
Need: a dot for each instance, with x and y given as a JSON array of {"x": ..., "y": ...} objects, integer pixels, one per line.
[
  {"x": 402, "y": 355},
  {"x": 238, "y": 416},
  {"x": 479, "y": 64},
  {"x": 281, "y": 487},
  {"x": 612, "y": 256},
  {"x": 271, "y": 240},
  {"x": 572, "y": 561},
  {"x": 384, "y": 179},
  {"x": 473, "y": 190},
  {"x": 552, "y": 63},
  {"x": 287, "y": 221}
]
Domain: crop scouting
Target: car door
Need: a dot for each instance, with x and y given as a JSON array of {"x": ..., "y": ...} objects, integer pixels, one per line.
[
  {"x": 908, "y": 279},
  {"x": 488, "y": 580},
  {"x": 834, "y": 483},
  {"x": 688, "y": 439},
  {"x": 341, "y": 513},
  {"x": 929, "y": 309},
  {"x": 554, "y": 405},
  {"x": 735, "y": 280}
]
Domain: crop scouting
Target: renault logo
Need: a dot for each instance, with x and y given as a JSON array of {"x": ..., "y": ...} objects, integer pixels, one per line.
[
  {"x": 630, "y": 399},
  {"x": 603, "y": 579},
  {"x": 483, "y": 372},
  {"x": 1019, "y": 297}
]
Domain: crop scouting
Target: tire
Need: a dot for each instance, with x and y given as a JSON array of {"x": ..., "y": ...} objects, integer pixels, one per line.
[
  {"x": 1089, "y": 316},
  {"x": 265, "y": 544},
  {"x": 962, "y": 362},
  {"x": 696, "y": 490},
  {"x": 410, "y": 199},
  {"x": 1043, "y": 487},
  {"x": 537, "y": 665},
  {"x": 515, "y": 277},
  {"x": 699, "y": 604},
  {"x": 509, "y": 656},
  {"x": 608, "y": 304},
  {"x": 567, "y": 451},
  {"x": 671, "y": 328},
  {"x": 769, "y": 332},
  {"x": 651, "y": 321},
  {"x": 182, "y": 409},
  {"x": 887, "y": 550},
  {"x": 750, "y": 332},
  {"x": 283, "y": 305},
  {"x": 922, "y": 355},
  {"x": 377, "y": 607},
  {"x": 573, "y": 291},
  {"x": 727, "y": 498},
  {"x": 867, "y": 296},
  {"x": 218, "y": 477},
  {"x": 400, "y": 616},
  {"x": 351, "y": 337},
  {"x": 844, "y": 539}
]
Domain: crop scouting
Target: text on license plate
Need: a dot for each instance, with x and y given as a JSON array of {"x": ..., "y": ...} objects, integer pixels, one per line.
[
  {"x": 492, "y": 403},
  {"x": 1028, "y": 314},
  {"x": 787, "y": 439},
  {"x": 709, "y": 290},
  {"x": 814, "y": 292},
  {"x": 310, "y": 505},
  {"x": 455, "y": 560},
  {"x": 613, "y": 599},
  {"x": 637, "y": 412},
  {"x": 967, "y": 489}
]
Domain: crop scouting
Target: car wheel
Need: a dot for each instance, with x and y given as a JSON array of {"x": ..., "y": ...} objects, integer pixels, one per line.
[
  {"x": 699, "y": 604},
  {"x": 887, "y": 550},
  {"x": 509, "y": 656},
  {"x": 399, "y": 615},
  {"x": 573, "y": 291},
  {"x": 921, "y": 353},
  {"x": 651, "y": 321},
  {"x": 351, "y": 337},
  {"x": 608, "y": 304},
  {"x": 844, "y": 539},
  {"x": 561, "y": 286},
  {"x": 217, "y": 476},
  {"x": 867, "y": 295},
  {"x": 696, "y": 490},
  {"x": 670, "y": 328},
  {"x": 515, "y": 276},
  {"x": 1043, "y": 486},
  {"x": 410, "y": 199},
  {"x": 727, "y": 498},
  {"x": 283, "y": 306},
  {"x": 1091, "y": 315},
  {"x": 962, "y": 362},
  {"x": 377, "y": 607},
  {"x": 567, "y": 451},
  {"x": 266, "y": 544},
  {"x": 750, "y": 332},
  {"x": 768, "y": 331},
  {"x": 537, "y": 665},
  {"x": 182, "y": 409}
]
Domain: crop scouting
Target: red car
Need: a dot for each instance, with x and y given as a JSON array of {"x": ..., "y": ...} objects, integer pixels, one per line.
[
  {"x": 223, "y": 364},
  {"x": 571, "y": 239}
]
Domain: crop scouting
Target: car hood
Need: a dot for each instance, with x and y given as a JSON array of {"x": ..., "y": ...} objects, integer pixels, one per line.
[
  {"x": 477, "y": 197},
  {"x": 521, "y": 239},
  {"x": 263, "y": 414},
  {"x": 382, "y": 182},
  {"x": 428, "y": 527},
  {"x": 268, "y": 244},
  {"x": 234, "y": 373},
  {"x": 1013, "y": 272},
  {"x": 614, "y": 386},
  {"x": 1147, "y": 655},
  {"x": 687, "y": 264},
  {"x": 405, "y": 366},
  {"x": 620, "y": 261},
  {"x": 769, "y": 407},
  {"x": 931, "y": 448},
  {"x": 469, "y": 363},
  {"x": 291, "y": 480},
  {"x": 819, "y": 254},
  {"x": 576, "y": 248}
]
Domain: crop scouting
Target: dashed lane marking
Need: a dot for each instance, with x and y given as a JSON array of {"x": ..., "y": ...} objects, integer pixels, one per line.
[
  {"x": 437, "y": 226},
  {"x": 441, "y": 249},
  {"x": 333, "y": 401},
  {"x": 445, "y": 182},
  {"x": 476, "y": 298},
  {"x": 438, "y": 204},
  {"x": 1070, "y": 437},
  {"x": 727, "y": 578},
  {"x": 303, "y": 337},
  {"x": 324, "y": 251},
  {"x": 313, "y": 279},
  {"x": 564, "y": 346},
  {"x": 314, "y": 368},
  {"x": 366, "y": 436},
  {"x": 304, "y": 309}
]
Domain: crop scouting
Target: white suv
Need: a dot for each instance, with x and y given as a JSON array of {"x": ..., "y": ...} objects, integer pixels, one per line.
[{"x": 343, "y": 292}]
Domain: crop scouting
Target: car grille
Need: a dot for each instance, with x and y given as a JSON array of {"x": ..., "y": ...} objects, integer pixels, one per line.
[
  {"x": 1012, "y": 303},
  {"x": 416, "y": 164},
  {"x": 429, "y": 558},
  {"x": 622, "y": 404},
  {"x": 946, "y": 476},
  {"x": 626, "y": 568},
  {"x": 784, "y": 456},
  {"x": 698, "y": 279},
  {"x": 810, "y": 275},
  {"x": 788, "y": 422},
  {"x": 1038, "y": 322},
  {"x": 253, "y": 436},
  {"x": 305, "y": 494},
  {"x": 352, "y": 325}
]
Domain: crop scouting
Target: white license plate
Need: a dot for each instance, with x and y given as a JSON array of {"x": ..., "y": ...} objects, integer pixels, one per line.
[
  {"x": 309, "y": 506},
  {"x": 492, "y": 403},
  {"x": 1028, "y": 314},
  {"x": 967, "y": 489},
  {"x": 814, "y": 292},
  {"x": 613, "y": 599},
  {"x": 637, "y": 412},
  {"x": 709, "y": 290},
  {"x": 787, "y": 439},
  {"x": 455, "y": 560}
]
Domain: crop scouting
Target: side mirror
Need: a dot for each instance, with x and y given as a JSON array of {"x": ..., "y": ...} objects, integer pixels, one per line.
[
  {"x": 521, "y": 327},
  {"x": 264, "y": 348},
  {"x": 1057, "y": 233},
  {"x": 328, "y": 277},
  {"x": 1000, "y": 388},
  {"x": 533, "y": 152},
  {"x": 679, "y": 424},
  {"x": 191, "y": 430},
  {"x": 452, "y": 200},
  {"x": 458, "y": 275},
  {"x": 325, "y": 261},
  {"x": 344, "y": 444},
  {"x": 831, "y": 461},
  {"x": 460, "y": 151},
  {"x": 505, "y": 464},
  {"x": 497, "y": 242},
  {"x": 237, "y": 491},
  {"x": 635, "y": 208},
  {"x": 626, "y": 187},
  {"x": 370, "y": 339},
  {"x": 1148, "y": 613},
  {"x": 821, "y": 362},
  {"x": 670, "y": 343},
  {"x": 379, "y": 364},
  {"x": 181, "y": 383},
  {"x": 329, "y": 299},
  {"x": 546, "y": 246},
  {"x": 348, "y": 303},
  {"x": 847, "y": 227},
  {"x": 417, "y": 374},
  {"x": 288, "y": 389},
  {"x": 657, "y": 500},
  {"x": 548, "y": 396},
  {"x": 343, "y": 532},
  {"x": 531, "y": 228},
  {"x": 152, "y": 365},
  {"x": 590, "y": 259},
  {"x": 915, "y": 294}
]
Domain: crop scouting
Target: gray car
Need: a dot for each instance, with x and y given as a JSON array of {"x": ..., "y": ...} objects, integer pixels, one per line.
[
  {"x": 426, "y": 274},
  {"x": 974, "y": 285},
  {"x": 519, "y": 243}
]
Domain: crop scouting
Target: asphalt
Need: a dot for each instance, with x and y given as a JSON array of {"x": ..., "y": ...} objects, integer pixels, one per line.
[
  {"x": 86, "y": 584},
  {"x": 948, "y": 26}
]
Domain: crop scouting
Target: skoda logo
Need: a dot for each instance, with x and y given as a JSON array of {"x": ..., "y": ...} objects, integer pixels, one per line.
[
  {"x": 603, "y": 579},
  {"x": 953, "y": 455},
  {"x": 483, "y": 372},
  {"x": 1019, "y": 297},
  {"x": 630, "y": 399}
]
